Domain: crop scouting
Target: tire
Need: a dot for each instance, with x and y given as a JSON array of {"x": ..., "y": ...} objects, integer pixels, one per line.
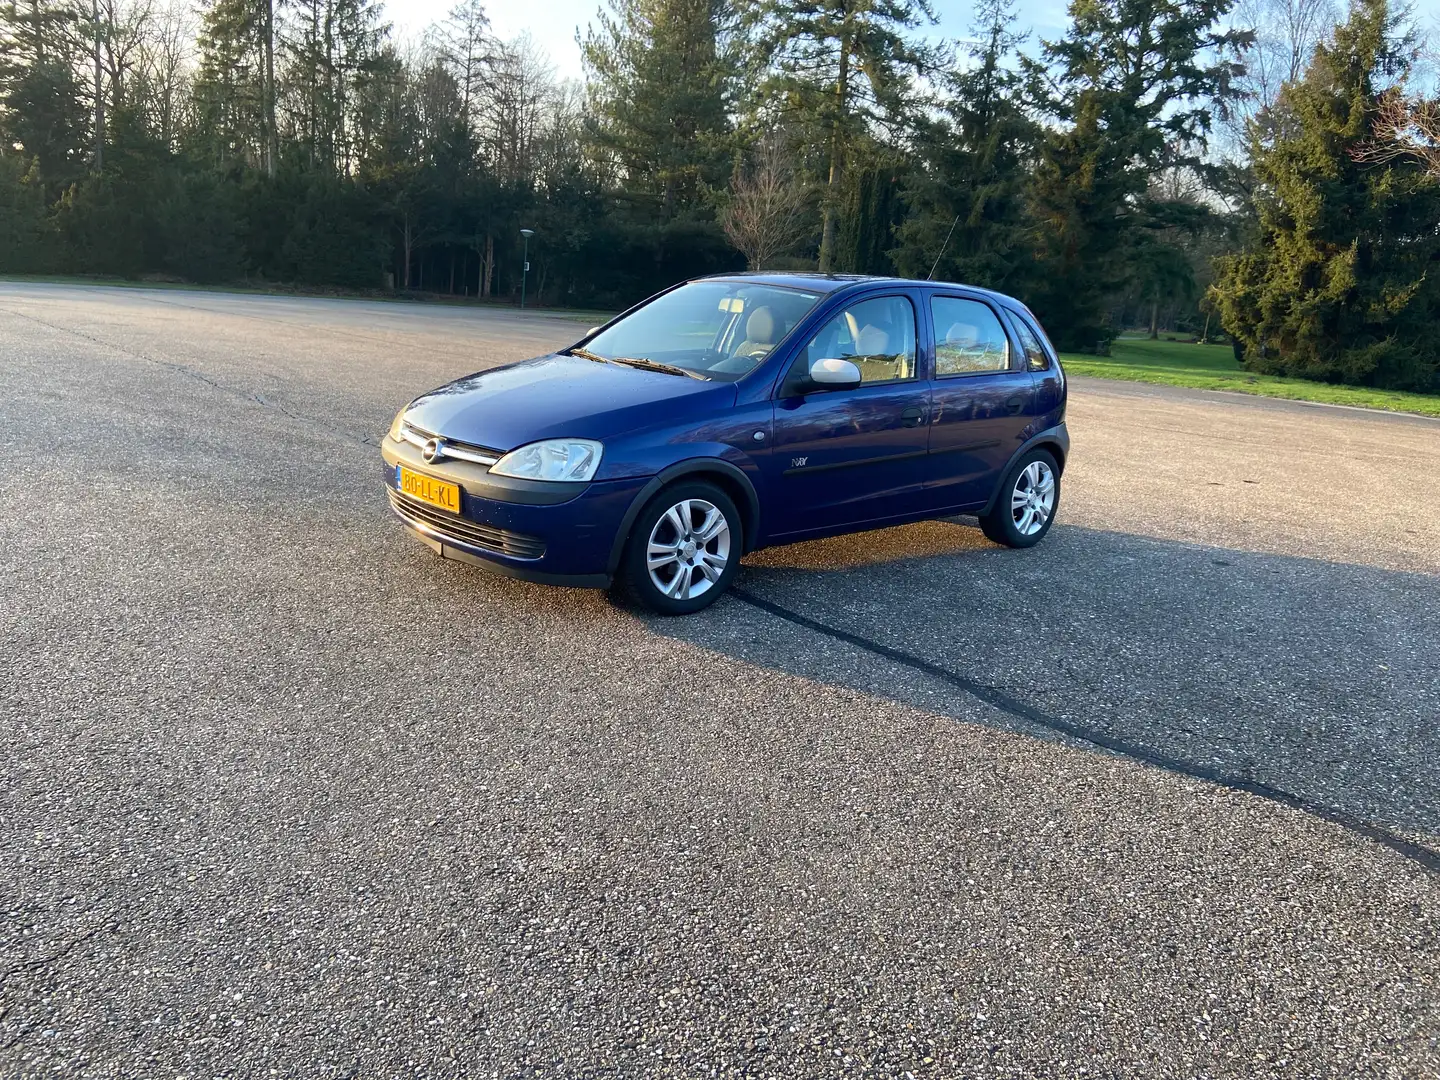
[
  {"x": 1027, "y": 502},
  {"x": 693, "y": 577}
]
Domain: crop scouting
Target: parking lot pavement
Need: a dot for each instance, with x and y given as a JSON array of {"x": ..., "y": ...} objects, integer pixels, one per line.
[{"x": 284, "y": 794}]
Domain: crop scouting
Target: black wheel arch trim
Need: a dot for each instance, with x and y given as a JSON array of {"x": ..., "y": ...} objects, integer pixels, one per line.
[
  {"x": 1057, "y": 437},
  {"x": 750, "y": 510}
]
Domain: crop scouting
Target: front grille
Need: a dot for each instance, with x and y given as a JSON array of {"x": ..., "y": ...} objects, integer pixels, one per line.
[
  {"x": 451, "y": 448},
  {"x": 464, "y": 531}
]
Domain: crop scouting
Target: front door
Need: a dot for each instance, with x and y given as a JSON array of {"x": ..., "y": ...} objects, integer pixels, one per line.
[
  {"x": 981, "y": 397},
  {"x": 847, "y": 457}
]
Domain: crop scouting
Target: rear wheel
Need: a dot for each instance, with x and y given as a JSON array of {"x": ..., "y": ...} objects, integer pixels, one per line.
[
  {"x": 1025, "y": 508},
  {"x": 683, "y": 550}
]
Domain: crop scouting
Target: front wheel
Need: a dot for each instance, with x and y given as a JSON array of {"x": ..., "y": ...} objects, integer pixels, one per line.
[
  {"x": 1025, "y": 508},
  {"x": 683, "y": 550}
]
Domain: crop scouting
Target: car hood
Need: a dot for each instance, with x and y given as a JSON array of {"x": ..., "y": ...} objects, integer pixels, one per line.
[{"x": 559, "y": 396}]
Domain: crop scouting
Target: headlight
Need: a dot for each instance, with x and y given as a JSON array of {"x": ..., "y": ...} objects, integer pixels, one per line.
[
  {"x": 396, "y": 424},
  {"x": 553, "y": 459}
]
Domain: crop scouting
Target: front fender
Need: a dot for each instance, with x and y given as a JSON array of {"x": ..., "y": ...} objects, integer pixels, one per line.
[{"x": 734, "y": 477}]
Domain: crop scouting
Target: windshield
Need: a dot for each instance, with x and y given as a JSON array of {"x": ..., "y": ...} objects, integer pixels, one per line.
[{"x": 719, "y": 329}]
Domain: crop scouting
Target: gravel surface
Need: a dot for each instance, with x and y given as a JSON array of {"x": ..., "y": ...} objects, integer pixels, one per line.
[{"x": 286, "y": 795}]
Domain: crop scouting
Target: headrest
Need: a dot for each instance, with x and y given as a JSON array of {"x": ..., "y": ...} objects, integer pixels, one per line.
[
  {"x": 761, "y": 325},
  {"x": 962, "y": 334},
  {"x": 873, "y": 342}
]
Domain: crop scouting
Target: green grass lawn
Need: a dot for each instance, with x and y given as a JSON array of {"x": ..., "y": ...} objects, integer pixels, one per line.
[{"x": 1213, "y": 367}]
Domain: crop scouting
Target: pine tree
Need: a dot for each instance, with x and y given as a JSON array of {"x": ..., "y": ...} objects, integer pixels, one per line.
[
  {"x": 1340, "y": 283},
  {"x": 840, "y": 69},
  {"x": 330, "y": 47},
  {"x": 1136, "y": 85},
  {"x": 659, "y": 85},
  {"x": 22, "y": 216},
  {"x": 967, "y": 217},
  {"x": 235, "y": 86},
  {"x": 464, "y": 46},
  {"x": 43, "y": 106}
]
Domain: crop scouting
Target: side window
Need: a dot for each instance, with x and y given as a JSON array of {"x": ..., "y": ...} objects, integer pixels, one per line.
[
  {"x": 1036, "y": 358},
  {"x": 878, "y": 335},
  {"x": 968, "y": 337}
]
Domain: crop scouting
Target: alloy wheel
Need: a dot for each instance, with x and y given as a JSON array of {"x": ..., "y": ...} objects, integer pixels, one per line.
[
  {"x": 1033, "y": 499},
  {"x": 688, "y": 550}
]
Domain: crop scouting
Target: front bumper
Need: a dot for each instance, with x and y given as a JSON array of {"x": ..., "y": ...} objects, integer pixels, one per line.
[{"x": 555, "y": 534}]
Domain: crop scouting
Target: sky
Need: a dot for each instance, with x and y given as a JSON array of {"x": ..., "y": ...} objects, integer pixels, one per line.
[{"x": 552, "y": 23}]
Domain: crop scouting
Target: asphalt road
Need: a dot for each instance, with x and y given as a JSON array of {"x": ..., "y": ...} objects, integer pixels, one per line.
[{"x": 283, "y": 794}]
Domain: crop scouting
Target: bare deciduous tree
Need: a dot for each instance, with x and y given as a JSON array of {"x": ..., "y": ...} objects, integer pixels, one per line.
[
  {"x": 560, "y": 142},
  {"x": 767, "y": 211},
  {"x": 465, "y": 46},
  {"x": 1405, "y": 128},
  {"x": 519, "y": 96},
  {"x": 1286, "y": 33},
  {"x": 125, "y": 25},
  {"x": 167, "y": 60}
]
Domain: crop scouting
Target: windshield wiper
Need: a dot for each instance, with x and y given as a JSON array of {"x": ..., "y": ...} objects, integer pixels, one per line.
[
  {"x": 655, "y": 365},
  {"x": 586, "y": 354}
]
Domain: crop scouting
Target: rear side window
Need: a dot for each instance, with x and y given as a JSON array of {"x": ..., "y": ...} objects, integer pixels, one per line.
[
  {"x": 968, "y": 337},
  {"x": 1036, "y": 358}
]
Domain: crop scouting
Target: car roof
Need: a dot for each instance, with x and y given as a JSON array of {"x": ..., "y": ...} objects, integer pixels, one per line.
[{"x": 829, "y": 283}]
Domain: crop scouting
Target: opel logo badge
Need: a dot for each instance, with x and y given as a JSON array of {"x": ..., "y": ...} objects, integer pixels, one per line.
[{"x": 432, "y": 450}]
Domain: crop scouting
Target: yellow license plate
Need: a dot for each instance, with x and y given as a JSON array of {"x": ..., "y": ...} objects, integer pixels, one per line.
[{"x": 427, "y": 489}]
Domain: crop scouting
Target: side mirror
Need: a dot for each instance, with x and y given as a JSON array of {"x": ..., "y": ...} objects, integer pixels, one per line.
[
  {"x": 834, "y": 374},
  {"x": 592, "y": 331}
]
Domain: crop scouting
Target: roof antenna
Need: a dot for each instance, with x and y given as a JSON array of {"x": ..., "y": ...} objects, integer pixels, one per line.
[{"x": 931, "y": 276}]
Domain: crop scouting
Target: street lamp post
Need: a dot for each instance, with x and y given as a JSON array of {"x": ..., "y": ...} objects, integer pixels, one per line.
[{"x": 525, "y": 271}]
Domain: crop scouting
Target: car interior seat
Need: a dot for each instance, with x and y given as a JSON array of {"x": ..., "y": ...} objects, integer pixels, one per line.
[
  {"x": 963, "y": 349},
  {"x": 760, "y": 334},
  {"x": 962, "y": 336},
  {"x": 877, "y": 356}
]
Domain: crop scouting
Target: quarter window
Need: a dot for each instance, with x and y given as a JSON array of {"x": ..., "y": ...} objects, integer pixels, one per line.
[
  {"x": 877, "y": 335},
  {"x": 1036, "y": 358},
  {"x": 968, "y": 337}
]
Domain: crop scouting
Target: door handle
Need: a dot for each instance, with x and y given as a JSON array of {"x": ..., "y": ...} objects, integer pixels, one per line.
[
  {"x": 911, "y": 417},
  {"x": 1015, "y": 404}
]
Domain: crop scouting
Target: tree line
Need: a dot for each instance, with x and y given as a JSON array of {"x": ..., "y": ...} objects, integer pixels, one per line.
[{"x": 1267, "y": 170}]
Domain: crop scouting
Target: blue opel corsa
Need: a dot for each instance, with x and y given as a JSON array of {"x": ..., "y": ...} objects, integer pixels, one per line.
[{"x": 732, "y": 413}]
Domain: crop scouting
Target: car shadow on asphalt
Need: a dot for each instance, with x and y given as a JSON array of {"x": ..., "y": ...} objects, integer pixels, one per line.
[{"x": 1310, "y": 681}]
